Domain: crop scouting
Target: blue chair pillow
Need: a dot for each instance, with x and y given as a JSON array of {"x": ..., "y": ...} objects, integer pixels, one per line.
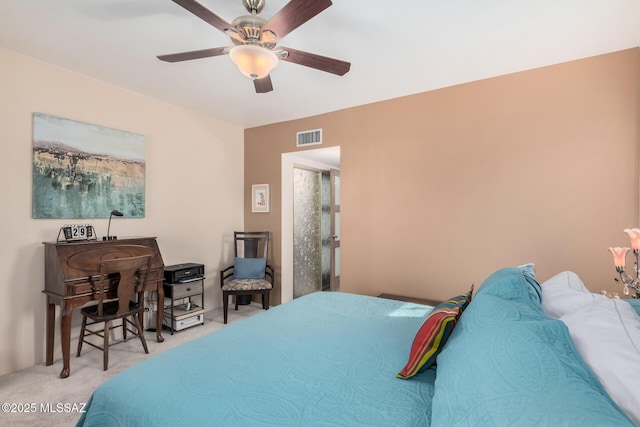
[{"x": 249, "y": 268}]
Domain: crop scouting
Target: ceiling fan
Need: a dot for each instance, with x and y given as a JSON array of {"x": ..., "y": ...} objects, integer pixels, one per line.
[{"x": 255, "y": 40}]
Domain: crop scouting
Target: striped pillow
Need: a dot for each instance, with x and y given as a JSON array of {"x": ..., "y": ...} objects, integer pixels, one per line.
[{"x": 433, "y": 334}]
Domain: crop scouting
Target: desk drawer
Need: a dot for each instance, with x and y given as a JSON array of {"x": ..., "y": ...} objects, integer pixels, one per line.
[
  {"x": 82, "y": 287},
  {"x": 155, "y": 276},
  {"x": 87, "y": 288},
  {"x": 183, "y": 290}
]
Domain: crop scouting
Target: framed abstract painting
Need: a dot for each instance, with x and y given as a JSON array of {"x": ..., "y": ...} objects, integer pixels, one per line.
[{"x": 82, "y": 170}]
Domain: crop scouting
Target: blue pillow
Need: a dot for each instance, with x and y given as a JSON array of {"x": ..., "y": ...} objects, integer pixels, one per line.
[
  {"x": 515, "y": 283},
  {"x": 249, "y": 268},
  {"x": 507, "y": 363},
  {"x": 635, "y": 304}
]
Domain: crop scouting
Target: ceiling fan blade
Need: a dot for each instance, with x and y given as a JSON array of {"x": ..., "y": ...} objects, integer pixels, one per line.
[
  {"x": 203, "y": 13},
  {"x": 263, "y": 85},
  {"x": 318, "y": 62},
  {"x": 294, "y": 14},
  {"x": 194, "y": 54}
]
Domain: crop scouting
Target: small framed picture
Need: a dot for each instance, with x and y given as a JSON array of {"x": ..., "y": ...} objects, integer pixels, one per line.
[{"x": 260, "y": 198}]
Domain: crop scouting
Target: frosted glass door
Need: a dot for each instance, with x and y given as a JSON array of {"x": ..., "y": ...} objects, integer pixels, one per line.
[{"x": 307, "y": 241}]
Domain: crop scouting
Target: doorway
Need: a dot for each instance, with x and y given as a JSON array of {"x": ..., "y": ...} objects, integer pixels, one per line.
[
  {"x": 315, "y": 265},
  {"x": 316, "y": 228}
]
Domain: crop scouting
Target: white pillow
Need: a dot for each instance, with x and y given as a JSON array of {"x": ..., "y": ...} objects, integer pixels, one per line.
[
  {"x": 606, "y": 332},
  {"x": 565, "y": 293},
  {"x": 567, "y": 279}
]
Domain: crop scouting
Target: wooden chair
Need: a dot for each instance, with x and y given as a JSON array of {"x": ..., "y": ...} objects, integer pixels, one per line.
[
  {"x": 133, "y": 280},
  {"x": 250, "y": 274}
]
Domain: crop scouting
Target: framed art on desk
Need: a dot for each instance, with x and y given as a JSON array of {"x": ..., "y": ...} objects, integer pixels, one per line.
[{"x": 260, "y": 198}]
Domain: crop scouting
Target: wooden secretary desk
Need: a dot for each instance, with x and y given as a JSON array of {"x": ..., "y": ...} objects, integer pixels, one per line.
[{"x": 70, "y": 278}]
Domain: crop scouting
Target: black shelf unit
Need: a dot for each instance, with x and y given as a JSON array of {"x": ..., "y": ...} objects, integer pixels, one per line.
[{"x": 183, "y": 312}]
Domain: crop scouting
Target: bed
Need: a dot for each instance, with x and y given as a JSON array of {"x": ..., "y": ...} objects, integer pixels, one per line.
[{"x": 331, "y": 359}]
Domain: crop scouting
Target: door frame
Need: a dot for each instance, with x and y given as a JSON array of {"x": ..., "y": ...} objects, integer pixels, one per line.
[{"x": 288, "y": 162}]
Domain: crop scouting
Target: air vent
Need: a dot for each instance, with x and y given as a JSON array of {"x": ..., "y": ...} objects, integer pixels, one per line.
[{"x": 309, "y": 137}]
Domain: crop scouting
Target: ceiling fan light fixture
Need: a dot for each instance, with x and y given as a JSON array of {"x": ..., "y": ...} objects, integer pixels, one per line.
[{"x": 255, "y": 62}]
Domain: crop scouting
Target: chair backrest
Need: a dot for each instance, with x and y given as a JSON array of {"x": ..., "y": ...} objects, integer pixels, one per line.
[
  {"x": 133, "y": 278},
  {"x": 251, "y": 244}
]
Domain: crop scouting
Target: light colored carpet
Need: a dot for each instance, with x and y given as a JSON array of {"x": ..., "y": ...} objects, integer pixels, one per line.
[{"x": 57, "y": 400}]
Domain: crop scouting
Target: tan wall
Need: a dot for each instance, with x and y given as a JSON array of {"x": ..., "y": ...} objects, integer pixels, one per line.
[
  {"x": 442, "y": 188},
  {"x": 190, "y": 158}
]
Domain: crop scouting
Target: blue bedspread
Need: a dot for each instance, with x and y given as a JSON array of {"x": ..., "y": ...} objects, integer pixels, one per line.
[{"x": 326, "y": 359}]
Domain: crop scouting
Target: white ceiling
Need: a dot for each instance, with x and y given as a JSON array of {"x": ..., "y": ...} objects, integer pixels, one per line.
[{"x": 396, "y": 47}]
